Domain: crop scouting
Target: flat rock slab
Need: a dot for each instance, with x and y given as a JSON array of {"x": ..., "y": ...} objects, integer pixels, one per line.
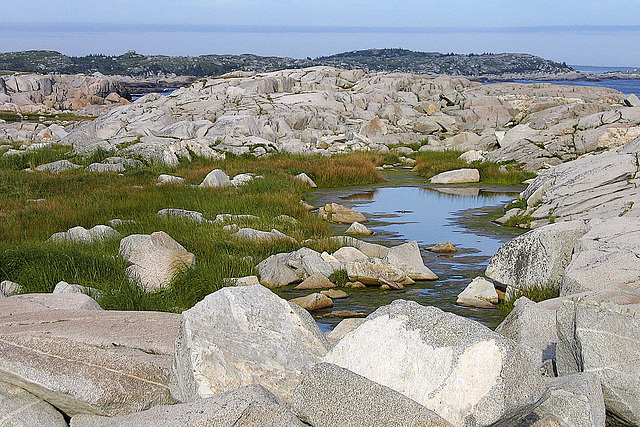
[
  {"x": 243, "y": 335},
  {"x": 77, "y": 378},
  {"x": 145, "y": 336},
  {"x": 458, "y": 176},
  {"x": 19, "y": 408},
  {"x": 461, "y": 370},
  {"x": 576, "y": 400},
  {"x": 30, "y": 303},
  {"x": 250, "y": 406},
  {"x": 329, "y": 395}
]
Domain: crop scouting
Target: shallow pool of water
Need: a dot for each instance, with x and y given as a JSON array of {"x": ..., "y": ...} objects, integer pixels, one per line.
[{"x": 428, "y": 215}]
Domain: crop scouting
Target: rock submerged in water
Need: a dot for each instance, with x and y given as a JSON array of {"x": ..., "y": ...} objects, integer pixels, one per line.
[{"x": 444, "y": 248}]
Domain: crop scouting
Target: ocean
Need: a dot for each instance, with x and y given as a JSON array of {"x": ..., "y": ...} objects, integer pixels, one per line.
[{"x": 626, "y": 86}]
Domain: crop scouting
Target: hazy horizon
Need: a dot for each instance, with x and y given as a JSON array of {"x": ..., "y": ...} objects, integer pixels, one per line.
[{"x": 585, "y": 32}]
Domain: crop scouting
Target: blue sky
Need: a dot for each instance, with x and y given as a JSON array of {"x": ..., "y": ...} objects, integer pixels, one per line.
[{"x": 584, "y": 33}]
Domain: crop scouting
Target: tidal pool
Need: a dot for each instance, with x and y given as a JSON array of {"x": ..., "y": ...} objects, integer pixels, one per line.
[{"x": 428, "y": 215}]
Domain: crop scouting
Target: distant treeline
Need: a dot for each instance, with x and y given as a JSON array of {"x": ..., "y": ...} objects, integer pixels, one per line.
[{"x": 371, "y": 60}]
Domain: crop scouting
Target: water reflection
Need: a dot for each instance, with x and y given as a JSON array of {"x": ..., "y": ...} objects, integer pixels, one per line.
[{"x": 428, "y": 215}]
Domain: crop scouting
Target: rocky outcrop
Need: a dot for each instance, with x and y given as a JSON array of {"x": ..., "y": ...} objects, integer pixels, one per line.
[
  {"x": 33, "y": 93},
  {"x": 243, "y": 335},
  {"x": 466, "y": 373},
  {"x": 602, "y": 338}
]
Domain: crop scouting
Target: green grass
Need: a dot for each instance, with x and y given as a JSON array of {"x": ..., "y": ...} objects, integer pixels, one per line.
[
  {"x": 11, "y": 116},
  {"x": 77, "y": 198},
  {"x": 431, "y": 163},
  {"x": 536, "y": 294}
]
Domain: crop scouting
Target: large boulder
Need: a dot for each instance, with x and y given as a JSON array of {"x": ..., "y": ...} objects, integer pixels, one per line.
[
  {"x": 461, "y": 370},
  {"x": 156, "y": 258},
  {"x": 79, "y": 378},
  {"x": 329, "y": 395},
  {"x": 537, "y": 258},
  {"x": 19, "y": 408},
  {"x": 407, "y": 258},
  {"x": 603, "y": 338},
  {"x": 243, "y": 335},
  {"x": 249, "y": 406},
  {"x": 216, "y": 178}
]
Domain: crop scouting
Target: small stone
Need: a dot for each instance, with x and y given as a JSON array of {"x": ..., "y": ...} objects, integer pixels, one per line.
[
  {"x": 315, "y": 281},
  {"x": 242, "y": 281},
  {"x": 170, "y": 179},
  {"x": 355, "y": 285},
  {"x": 8, "y": 288},
  {"x": 305, "y": 178},
  {"x": 313, "y": 302},
  {"x": 335, "y": 294},
  {"x": 357, "y": 228},
  {"x": 479, "y": 293},
  {"x": 445, "y": 247}
]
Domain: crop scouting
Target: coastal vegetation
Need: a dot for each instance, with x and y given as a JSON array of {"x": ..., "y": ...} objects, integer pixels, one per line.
[
  {"x": 370, "y": 60},
  {"x": 33, "y": 206}
]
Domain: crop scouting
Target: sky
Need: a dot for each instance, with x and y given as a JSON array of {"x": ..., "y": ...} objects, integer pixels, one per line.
[{"x": 584, "y": 32}]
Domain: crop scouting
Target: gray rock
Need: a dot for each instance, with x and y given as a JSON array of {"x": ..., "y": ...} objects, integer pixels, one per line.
[
  {"x": 156, "y": 258},
  {"x": 465, "y": 372},
  {"x": 357, "y": 228},
  {"x": 170, "y": 179},
  {"x": 9, "y": 288},
  {"x": 632, "y": 100},
  {"x": 243, "y": 335},
  {"x": 222, "y": 218},
  {"x": 183, "y": 213},
  {"x": 479, "y": 293},
  {"x": 105, "y": 167},
  {"x": 216, "y": 178},
  {"x": 533, "y": 326},
  {"x": 602, "y": 338},
  {"x": 576, "y": 400},
  {"x": 537, "y": 258},
  {"x": 305, "y": 178},
  {"x": 315, "y": 281},
  {"x": 242, "y": 281},
  {"x": 606, "y": 257},
  {"x": 457, "y": 176},
  {"x": 407, "y": 258},
  {"x": 242, "y": 179},
  {"x": 313, "y": 302},
  {"x": 329, "y": 395},
  {"x": 79, "y": 234},
  {"x": 64, "y": 287},
  {"x": 77, "y": 378},
  {"x": 249, "y": 406},
  {"x": 28, "y": 303},
  {"x": 19, "y": 408},
  {"x": 337, "y": 213},
  {"x": 274, "y": 271},
  {"x": 370, "y": 271},
  {"x": 369, "y": 249},
  {"x": 260, "y": 236},
  {"x": 58, "y": 166}
]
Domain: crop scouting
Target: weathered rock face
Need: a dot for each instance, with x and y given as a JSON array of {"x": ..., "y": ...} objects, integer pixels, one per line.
[
  {"x": 457, "y": 176},
  {"x": 602, "y": 338},
  {"x": 243, "y": 335},
  {"x": 459, "y": 369},
  {"x": 19, "y": 408},
  {"x": 77, "y": 378},
  {"x": 606, "y": 257},
  {"x": 537, "y": 258},
  {"x": 479, "y": 293},
  {"x": 329, "y": 395},
  {"x": 250, "y": 406},
  {"x": 594, "y": 186},
  {"x": 32, "y": 93},
  {"x": 576, "y": 400},
  {"x": 156, "y": 258},
  {"x": 286, "y": 268},
  {"x": 408, "y": 259}
]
